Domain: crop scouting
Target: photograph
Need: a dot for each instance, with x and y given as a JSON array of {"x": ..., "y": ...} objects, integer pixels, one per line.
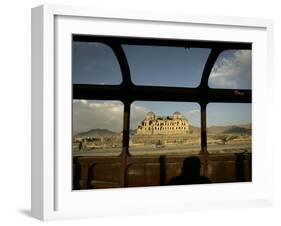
[
  {"x": 160, "y": 112},
  {"x": 169, "y": 114}
]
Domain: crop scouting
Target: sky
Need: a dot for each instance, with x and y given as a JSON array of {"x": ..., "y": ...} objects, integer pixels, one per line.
[
  {"x": 166, "y": 66},
  {"x": 95, "y": 63},
  {"x": 232, "y": 70}
]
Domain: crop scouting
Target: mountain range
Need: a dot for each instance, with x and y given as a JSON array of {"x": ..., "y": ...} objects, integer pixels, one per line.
[
  {"x": 241, "y": 129},
  {"x": 97, "y": 133}
]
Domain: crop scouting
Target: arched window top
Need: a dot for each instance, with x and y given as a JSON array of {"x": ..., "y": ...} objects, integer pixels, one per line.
[
  {"x": 94, "y": 63},
  {"x": 167, "y": 66}
]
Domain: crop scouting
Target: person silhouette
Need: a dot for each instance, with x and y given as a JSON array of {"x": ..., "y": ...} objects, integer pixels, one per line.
[{"x": 190, "y": 173}]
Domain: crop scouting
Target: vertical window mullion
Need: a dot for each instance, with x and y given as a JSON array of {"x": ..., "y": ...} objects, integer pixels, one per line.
[
  {"x": 126, "y": 85},
  {"x": 203, "y": 129},
  {"x": 204, "y": 150},
  {"x": 125, "y": 146}
]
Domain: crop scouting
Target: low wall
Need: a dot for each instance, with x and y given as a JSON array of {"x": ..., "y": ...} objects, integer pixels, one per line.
[{"x": 113, "y": 172}]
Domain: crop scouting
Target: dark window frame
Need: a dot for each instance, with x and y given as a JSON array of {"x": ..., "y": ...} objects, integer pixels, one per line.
[{"x": 127, "y": 91}]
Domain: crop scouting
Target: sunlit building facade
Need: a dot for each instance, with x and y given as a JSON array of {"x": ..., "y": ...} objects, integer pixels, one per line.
[{"x": 154, "y": 125}]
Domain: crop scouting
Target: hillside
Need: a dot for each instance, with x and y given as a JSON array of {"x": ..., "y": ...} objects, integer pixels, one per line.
[
  {"x": 97, "y": 133},
  {"x": 194, "y": 129},
  {"x": 237, "y": 129},
  {"x": 241, "y": 129}
]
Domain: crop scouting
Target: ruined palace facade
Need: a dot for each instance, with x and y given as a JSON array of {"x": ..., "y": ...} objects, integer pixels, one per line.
[{"x": 154, "y": 125}]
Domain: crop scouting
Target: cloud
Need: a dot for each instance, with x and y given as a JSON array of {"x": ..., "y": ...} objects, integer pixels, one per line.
[
  {"x": 192, "y": 112},
  {"x": 88, "y": 114},
  {"x": 193, "y": 116},
  {"x": 137, "y": 115},
  {"x": 232, "y": 70}
]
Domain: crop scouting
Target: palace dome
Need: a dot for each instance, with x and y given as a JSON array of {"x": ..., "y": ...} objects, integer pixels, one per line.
[
  {"x": 150, "y": 115},
  {"x": 176, "y": 115}
]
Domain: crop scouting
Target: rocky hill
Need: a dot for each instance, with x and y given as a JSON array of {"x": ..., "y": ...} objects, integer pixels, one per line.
[
  {"x": 97, "y": 133},
  {"x": 194, "y": 129},
  {"x": 238, "y": 129}
]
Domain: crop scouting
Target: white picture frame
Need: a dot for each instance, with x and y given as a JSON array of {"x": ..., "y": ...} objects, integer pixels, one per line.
[{"x": 52, "y": 197}]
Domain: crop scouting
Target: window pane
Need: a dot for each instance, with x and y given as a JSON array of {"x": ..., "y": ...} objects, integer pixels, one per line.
[
  {"x": 232, "y": 70},
  {"x": 229, "y": 128},
  {"x": 164, "y": 128},
  {"x": 97, "y": 127},
  {"x": 94, "y": 63},
  {"x": 166, "y": 66}
]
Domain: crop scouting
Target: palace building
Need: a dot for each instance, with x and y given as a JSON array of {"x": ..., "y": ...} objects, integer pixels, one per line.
[{"x": 154, "y": 125}]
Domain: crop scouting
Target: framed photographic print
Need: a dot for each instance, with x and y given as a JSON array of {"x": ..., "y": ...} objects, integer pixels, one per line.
[{"x": 139, "y": 112}]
